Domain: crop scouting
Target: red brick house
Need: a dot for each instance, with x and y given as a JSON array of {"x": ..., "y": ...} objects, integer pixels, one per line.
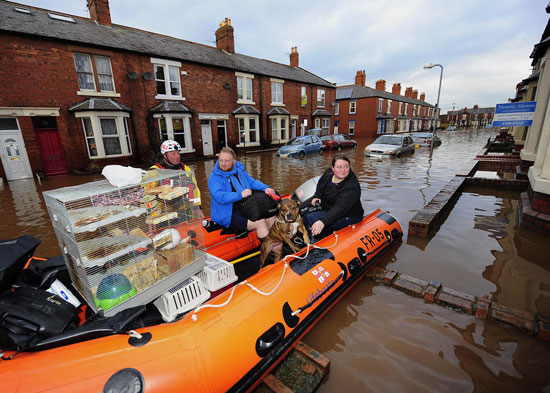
[
  {"x": 84, "y": 92},
  {"x": 364, "y": 111},
  {"x": 471, "y": 117}
]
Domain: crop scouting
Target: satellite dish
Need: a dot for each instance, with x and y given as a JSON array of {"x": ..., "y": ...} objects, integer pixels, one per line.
[
  {"x": 132, "y": 75},
  {"x": 227, "y": 85},
  {"x": 148, "y": 76}
]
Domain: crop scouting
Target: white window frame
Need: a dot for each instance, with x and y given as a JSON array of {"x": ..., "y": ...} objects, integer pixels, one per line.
[
  {"x": 351, "y": 127},
  {"x": 168, "y": 118},
  {"x": 317, "y": 123},
  {"x": 406, "y": 109},
  {"x": 321, "y": 94},
  {"x": 303, "y": 97},
  {"x": 276, "y": 95},
  {"x": 121, "y": 126},
  {"x": 166, "y": 64},
  {"x": 325, "y": 125},
  {"x": 246, "y": 93},
  {"x": 94, "y": 91},
  {"x": 400, "y": 108},
  {"x": 389, "y": 106},
  {"x": 352, "y": 107},
  {"x": 247, "y": 130},
  {"x": 380, "y": 101},
  {"x": 277, "y": 128},
  {"x": 337, "y": 109}
]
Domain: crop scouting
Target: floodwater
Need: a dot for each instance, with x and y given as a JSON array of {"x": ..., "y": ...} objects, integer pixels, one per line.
[{"x": 380, "y": 339}]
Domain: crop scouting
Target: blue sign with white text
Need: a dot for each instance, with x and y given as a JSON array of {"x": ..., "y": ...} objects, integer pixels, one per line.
[{"x": 514, "y": 114}]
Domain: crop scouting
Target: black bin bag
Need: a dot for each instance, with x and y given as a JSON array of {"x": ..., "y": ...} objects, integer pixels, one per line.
[{"x": 29, "y": 315}]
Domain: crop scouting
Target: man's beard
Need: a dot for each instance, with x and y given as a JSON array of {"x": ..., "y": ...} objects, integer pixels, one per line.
[{"x": 229, "y": 169}]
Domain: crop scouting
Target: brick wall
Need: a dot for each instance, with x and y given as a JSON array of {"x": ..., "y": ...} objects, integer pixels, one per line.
[{"x": 39, "y": 73}]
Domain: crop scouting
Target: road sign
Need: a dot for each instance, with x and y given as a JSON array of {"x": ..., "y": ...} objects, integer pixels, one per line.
[{"x": 514, "y": 114}]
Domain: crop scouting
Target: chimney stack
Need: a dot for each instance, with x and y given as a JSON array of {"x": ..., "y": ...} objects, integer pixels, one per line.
[
  {"x": 99, "y": 11},
  {"x": 381, "y": 85},
  {"x": 360, "y": 78},
  {"x": 415, "y": 94},
  {"x": 396, "y": 89},
  {"x": 224, "y": 36},
  {"x": 294, "y": 56},
  {"x": 409, "y": 92},
  {"x": 422, "y": 96}
]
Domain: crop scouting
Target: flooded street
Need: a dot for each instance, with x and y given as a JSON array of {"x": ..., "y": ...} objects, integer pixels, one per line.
[{"x": 380, "y": 339}]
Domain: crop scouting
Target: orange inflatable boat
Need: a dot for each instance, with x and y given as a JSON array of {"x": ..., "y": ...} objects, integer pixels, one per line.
[{"x": 228, "y": 343}]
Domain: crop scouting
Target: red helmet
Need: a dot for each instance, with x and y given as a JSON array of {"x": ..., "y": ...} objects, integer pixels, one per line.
[{"x": 169, "y": 145}]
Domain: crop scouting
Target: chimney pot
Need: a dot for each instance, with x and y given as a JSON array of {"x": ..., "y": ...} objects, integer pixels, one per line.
[
  {"x": 294, "y": 57},
  {"x": 381, "y": 85},
  {"x": 99, "y": 11},
  {"x": 225, "y": 39}
]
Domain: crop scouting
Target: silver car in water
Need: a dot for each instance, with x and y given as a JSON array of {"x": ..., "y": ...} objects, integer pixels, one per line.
[{"x": 390, "y": 145}]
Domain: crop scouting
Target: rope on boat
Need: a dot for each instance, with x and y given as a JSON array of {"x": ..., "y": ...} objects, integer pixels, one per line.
[{"x": 208, "y": 305}]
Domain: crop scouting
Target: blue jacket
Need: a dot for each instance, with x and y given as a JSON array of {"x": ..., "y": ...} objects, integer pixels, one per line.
[{"x": 222, "y": 197}]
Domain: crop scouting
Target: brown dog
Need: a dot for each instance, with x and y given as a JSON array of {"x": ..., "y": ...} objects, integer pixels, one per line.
[{"x": 287, "y": 224}]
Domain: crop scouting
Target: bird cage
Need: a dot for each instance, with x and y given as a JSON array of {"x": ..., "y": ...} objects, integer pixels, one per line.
[{"x": 125, "y": 246}]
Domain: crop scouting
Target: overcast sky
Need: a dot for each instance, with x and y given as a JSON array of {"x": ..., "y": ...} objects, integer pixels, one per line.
[{"x": 483, "y": 45}]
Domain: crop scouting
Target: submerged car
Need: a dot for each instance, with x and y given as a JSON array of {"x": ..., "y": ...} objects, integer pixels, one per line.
[
  {"x": 317, "y": 132},
  {"x": 300, "y": 146},
  {"x": 337, "y": 142},
  {"x": 451, "y": 128},
  {"x": 425, "y": 138},
  {"x": 390, "y": 145}
]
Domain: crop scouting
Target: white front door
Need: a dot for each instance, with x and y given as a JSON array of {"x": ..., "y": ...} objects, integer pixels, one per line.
[
  {"x": 14, "y": 155},
  {"x": 206, "y": 131}
]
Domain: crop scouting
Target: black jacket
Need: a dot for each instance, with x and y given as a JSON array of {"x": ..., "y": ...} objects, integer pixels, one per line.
[{"x": 339, "y": 200}]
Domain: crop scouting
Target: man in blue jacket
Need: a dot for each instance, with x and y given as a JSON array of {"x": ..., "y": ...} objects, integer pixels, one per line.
[{"x": 229, "y": 183}]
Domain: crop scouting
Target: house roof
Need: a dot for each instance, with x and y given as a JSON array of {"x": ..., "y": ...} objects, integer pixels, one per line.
[
  {"x": 99, "y": 104},
  {"x": 278, "y": 111},
  {"x": 246, "y": 110},
  {"x": 357, "y": 91},
  {"x": 88, "y": 32},
  {"x": 321, "y": 112},
  {"x": 170, "y": 107}
]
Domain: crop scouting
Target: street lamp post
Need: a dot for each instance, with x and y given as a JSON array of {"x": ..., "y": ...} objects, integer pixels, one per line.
[{"x": 427, "y": 67}]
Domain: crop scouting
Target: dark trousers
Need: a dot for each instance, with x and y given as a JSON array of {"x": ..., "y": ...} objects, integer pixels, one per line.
[{"x": 343, "y": 222}]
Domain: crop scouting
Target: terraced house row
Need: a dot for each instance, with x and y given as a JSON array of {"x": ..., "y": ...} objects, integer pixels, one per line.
[{"x": 81, "y": 93}]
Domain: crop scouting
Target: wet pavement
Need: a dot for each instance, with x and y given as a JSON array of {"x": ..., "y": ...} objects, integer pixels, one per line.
[{"x": 379, "y": 339}]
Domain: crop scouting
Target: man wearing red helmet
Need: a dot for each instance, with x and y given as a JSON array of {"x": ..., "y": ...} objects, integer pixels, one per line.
[{"x": 171, "y": 159}]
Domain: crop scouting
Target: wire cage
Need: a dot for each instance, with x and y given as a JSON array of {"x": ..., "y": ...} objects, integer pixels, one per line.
[{"x": 125, "y": 246}]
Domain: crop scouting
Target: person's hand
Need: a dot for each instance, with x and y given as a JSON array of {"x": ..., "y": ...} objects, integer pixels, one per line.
[
  {"x": 314, "y": 201},
  {"x": 246, "y": 193},
  {"x": 317, "y": 227},
  {"x": 269, "y": 191}
]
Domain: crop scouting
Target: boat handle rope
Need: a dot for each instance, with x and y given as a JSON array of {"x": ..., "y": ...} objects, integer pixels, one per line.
[
  {"x": 198, "y": 308},
  {"x": 308, "y": 305}
]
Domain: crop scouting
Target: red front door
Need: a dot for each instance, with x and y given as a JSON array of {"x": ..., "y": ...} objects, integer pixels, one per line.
[{"x": 51, "y": 151}]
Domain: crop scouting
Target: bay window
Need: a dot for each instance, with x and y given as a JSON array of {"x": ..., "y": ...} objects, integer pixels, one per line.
[
  {"x": 106, "y": 134},
  {"x": 248, "y": 130},
  {"x": 176, "y": 126},
  {"x": 279, "y": 128}
]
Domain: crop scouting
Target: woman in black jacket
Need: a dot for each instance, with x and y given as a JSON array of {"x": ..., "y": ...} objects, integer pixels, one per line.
[{"x": 339, "y": 193}]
